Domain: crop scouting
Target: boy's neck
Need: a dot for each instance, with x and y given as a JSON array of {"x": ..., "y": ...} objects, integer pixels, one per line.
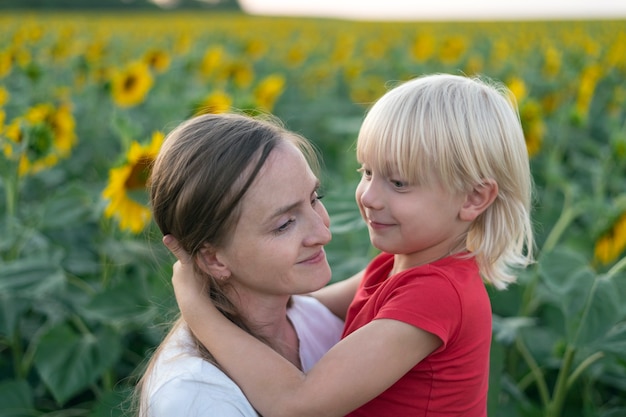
[{"x": 403, "y": 262}]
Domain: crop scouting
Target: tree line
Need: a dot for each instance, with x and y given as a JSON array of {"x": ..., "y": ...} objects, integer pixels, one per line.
[{"x": 115, "y": 4}]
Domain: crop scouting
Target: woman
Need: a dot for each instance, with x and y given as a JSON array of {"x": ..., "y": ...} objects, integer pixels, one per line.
[{"x": 240, "y": 197}]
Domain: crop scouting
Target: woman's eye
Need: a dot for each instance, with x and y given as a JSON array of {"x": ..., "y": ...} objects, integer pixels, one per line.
[{"x": 284, "y": 226}]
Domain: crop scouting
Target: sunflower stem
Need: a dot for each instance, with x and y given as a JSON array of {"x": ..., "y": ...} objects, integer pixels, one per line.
[
  {"x": 11, "y": 186},
  {"x": 555, "y": 406},
  {"x": 583, "y": 365},
  {"x": 536, "y": 371},
  {"x": 619, "y": 266}
]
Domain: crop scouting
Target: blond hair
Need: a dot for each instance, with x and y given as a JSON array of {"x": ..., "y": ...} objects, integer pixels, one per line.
[{"x": 458, "y": 132}]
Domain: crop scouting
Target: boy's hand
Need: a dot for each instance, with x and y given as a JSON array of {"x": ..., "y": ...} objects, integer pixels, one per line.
[
  {"x": 190, "y": 287},
  {"x": 172, "y": 244}
]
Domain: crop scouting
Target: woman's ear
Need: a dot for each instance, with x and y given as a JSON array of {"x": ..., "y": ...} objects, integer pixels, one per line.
[
  {"x": 478, "y": 200},
  {"x": 209, "y": 262}
]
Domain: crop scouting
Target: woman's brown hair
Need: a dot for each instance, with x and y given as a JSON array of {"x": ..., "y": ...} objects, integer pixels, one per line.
[{"x": 202, "y": 172}]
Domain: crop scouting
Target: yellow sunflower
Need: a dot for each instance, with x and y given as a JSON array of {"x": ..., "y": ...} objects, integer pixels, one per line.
[
  {"x": 157, "y": 59},
  {"x": 44, "y": 135},
  {"x": 452, "y": 49},
  {"x": 130, "y": 85},
  {"x": 533, "y": 126},
  {"x": 4, "y": 96},
  {"x": 367, "y": 89},
  {"x": 211, "y": 61},
  {"x": 95, "y": 51},
  {"x": 423, "y": 47},
  {"x": 215, "y": 103},
  {"x": 183, "y": 43},
  {"x": 128, "y": 181},
  {"x": 295, "y": 56},
  {"x": 474, "y": 64},
  {"x": 255, "y": 48},
  {"x": 268, "y": 90},
  {"x": 518, "y": 88},
  {"x": 586, "y": 87},
  {"x": 611, "y": 245},
  {"x": 240, "y": 72},
  {"x": 60, "y": 121},
  {"x": 6, "y": 63},
  {"x": 2, "y": 127},
  {"x": 14, "y": 133},
  {"x": 552, "y": 61}
]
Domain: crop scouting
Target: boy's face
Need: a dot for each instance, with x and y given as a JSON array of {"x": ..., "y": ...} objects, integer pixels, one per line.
[{"x": 421, "y": 223}]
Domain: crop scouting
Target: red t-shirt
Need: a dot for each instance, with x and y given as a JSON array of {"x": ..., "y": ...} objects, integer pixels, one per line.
[{"x": 448, "y": 299}]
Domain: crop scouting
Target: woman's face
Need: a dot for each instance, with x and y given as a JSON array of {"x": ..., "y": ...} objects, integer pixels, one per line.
[{"x": 277, "y": 248}]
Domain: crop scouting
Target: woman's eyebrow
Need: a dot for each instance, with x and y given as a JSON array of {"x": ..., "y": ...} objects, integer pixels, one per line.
[{"x": 287, "y": 208}]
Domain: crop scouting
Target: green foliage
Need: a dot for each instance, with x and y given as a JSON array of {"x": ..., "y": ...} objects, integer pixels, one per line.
[
  {"x": 82, "y": 303},
  {"x": 77, "y": 305}
]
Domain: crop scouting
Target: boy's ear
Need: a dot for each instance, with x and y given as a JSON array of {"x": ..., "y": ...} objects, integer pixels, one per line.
[
  {"x": 478, "y": 200},
  {"x": 209, "y": 262}
]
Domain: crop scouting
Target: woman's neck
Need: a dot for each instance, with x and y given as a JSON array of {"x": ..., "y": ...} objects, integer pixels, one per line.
[{"x": 267, "y": 316}]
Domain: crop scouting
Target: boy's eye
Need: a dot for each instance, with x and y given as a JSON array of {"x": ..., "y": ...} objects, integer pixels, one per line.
[
  {"x": 398, "y": 184},
  {"x": 367, "y": 173},
  {"x": 316, "y": 197}
]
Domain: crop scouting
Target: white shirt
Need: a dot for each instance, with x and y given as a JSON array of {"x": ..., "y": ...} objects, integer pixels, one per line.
[{"x": 182, "y": 384}]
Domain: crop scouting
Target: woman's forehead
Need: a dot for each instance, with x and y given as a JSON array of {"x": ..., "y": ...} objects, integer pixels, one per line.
[{"x": 283, "y": 178}]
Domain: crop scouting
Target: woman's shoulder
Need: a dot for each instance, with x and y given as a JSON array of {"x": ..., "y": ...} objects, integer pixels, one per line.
[
  {"x": 188, "y": 395},
  {"x": 183, "y": 383},
  {"x": 180, "y": 359}
]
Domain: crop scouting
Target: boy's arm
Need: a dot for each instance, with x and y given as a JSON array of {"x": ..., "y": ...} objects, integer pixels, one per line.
[
  {"x": 338, "y": 296},
  {"x": 357, "y": 369}
]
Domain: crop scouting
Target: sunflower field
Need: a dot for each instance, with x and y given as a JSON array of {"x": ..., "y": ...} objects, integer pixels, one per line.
[{"x": 86, "y": 99}]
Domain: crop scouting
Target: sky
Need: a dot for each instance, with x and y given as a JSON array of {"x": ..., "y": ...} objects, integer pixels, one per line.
[{"x": 441, "y": 9}]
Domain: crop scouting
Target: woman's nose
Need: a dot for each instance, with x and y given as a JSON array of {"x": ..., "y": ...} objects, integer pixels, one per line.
[{"x": 320, "y": 226}]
